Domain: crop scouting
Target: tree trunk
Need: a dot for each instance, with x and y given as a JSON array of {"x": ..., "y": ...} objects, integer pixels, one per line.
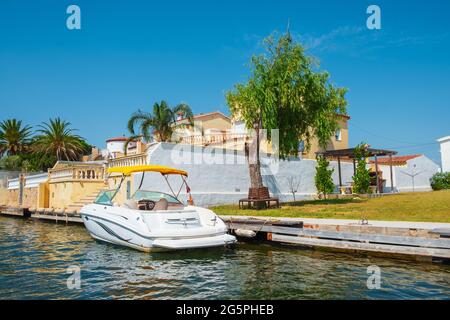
[
  {"x": 254, "y": 163},
  {"x": 255, "y": 176}
]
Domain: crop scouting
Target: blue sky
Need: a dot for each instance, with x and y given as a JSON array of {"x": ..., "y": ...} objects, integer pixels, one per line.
[{"x": 130, "y": 54}]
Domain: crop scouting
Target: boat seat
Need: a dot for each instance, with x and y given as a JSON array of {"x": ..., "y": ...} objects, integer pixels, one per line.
[
  {"x": 131, "y": 204},
  {"x": 161, "y": 204}
]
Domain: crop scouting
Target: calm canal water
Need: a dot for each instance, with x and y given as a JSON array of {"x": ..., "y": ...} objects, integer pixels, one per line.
[{"x": 34, "y": 257}]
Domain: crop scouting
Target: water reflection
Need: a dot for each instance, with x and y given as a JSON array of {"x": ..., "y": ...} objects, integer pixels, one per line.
[{"x": 35, "y": 256}]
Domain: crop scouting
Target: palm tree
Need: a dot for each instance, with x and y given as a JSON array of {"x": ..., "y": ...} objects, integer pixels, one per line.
[
  {"x": 159, "y": 124},
  {"x": 57, "y": 138},
  {"x": 14, "y": 138}
]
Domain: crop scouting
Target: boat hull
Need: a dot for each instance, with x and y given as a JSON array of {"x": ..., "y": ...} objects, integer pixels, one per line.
[{"x": 133, "y": 230}]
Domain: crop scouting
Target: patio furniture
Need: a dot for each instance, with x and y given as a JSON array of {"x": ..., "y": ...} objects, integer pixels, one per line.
[
  {"x": 259, "y": 195},
  {"x": 348, "y": 189}
]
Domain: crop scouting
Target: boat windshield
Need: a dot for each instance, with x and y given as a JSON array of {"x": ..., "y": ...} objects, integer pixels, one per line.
[
  {"x": 105, "y": 197},
  {"x": 154, "y": 196}
]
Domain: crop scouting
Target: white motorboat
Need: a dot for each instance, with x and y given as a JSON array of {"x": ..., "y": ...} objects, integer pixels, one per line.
[{"x": 152, "y": 220}]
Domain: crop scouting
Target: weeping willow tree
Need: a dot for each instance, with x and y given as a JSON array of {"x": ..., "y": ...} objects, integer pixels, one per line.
[{"x": 286, "y": 91}]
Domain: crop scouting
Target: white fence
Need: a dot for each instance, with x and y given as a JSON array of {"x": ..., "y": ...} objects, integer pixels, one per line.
[{"x": 31, "y": 181}]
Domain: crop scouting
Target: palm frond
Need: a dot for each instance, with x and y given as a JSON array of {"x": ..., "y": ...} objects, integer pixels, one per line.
[
  {"x": 136, "y": 118},
  {"x": 160, "y": 122},
  {"x": 57, "y": 138}
]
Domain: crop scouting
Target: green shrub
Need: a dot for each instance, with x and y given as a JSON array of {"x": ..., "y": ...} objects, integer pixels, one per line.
[
  {"x": 440, "y": 181},
  {"x": 323, "y": 180},
  {"x": 361, "y": 178},
  {"x": 13, "y": 163}
]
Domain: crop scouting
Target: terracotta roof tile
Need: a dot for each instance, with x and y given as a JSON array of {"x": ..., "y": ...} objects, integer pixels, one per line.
[
  {"x": 396, "y": 160},
  {"x": 117, "y": 139}
]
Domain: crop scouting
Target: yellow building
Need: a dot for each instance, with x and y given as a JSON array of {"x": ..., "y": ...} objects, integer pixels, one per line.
[
  {"x": 336, "y": 142},
  {"x": 218, "y": 130},
  {"x": 72, "y": 184},
  {"x": 206, "y": 129}
]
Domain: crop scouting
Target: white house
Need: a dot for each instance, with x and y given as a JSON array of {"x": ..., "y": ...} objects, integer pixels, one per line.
[
  {"x": 410, "y": 173},
  {"x": 445, "y": 153}
]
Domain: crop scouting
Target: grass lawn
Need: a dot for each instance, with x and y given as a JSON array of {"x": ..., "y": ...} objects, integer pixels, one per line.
[{"x": 420, "y": 206}]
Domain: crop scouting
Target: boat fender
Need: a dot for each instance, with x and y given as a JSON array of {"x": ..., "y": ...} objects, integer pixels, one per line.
[{"x": 245, "y": 233}]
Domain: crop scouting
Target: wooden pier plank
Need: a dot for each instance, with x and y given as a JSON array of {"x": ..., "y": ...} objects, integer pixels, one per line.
[
  {"x": 348, "y": 245},
  {"x": 443, "y": 232},
  {"x": 378, "y": 238},
  {"x": 349, "y": 236},
  {"x": 57, "y": 218}
]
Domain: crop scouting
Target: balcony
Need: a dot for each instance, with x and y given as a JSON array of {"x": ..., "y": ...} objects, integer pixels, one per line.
[
  {"x": 128, "y": 161},
  {"x": 77, "y": 172},
  {"x": 211, "y": 139}
]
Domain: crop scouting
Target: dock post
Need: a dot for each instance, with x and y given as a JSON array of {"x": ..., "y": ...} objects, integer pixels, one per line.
[
  {"x": 391, "y": 173},
  {"x": 339, "y": 169},
  {"x": 21, "y": 185},
  {"x": 376, "y": 173}
]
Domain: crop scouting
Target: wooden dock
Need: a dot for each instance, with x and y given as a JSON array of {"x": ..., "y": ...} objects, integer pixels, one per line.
[
  {"x": 49, "y": 214},
  {"x": 419, "y": 241},
  {"x": 413, "y": 240}
]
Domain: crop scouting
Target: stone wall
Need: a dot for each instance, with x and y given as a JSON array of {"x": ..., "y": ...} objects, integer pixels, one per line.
[
  {"x": 12, "y": 198},
  {"x": 63, "y": 194},
  {"x": 5, "y": 195}
]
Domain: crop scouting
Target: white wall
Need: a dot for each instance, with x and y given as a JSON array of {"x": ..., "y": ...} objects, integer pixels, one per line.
[
  {"x": 31, "y": 181},
  {"x": 445, "y": 153},
  {"x": 403, "y": 182},
  {"x": 238, "y": 127},
  {"x": 7, "y": 175},
  {"x": 115, "y": 146},
  {"x": 218, "y": 176},
  {"x": 425, "y": 169}
]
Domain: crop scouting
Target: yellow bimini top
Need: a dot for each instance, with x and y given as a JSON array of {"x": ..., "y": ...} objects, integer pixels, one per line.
[{"x": 147, "y": 168}]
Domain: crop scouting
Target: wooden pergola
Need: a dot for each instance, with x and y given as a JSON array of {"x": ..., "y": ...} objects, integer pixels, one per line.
[{"x": 350, "y": 153}]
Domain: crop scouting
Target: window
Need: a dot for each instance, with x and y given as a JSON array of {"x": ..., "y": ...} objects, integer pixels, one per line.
[
  {"x": 154, "y": 196},
  {"x": 338, "y": 135}
]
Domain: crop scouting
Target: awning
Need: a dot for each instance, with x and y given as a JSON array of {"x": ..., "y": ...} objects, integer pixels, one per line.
[{"x": 147, "y": 168}]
